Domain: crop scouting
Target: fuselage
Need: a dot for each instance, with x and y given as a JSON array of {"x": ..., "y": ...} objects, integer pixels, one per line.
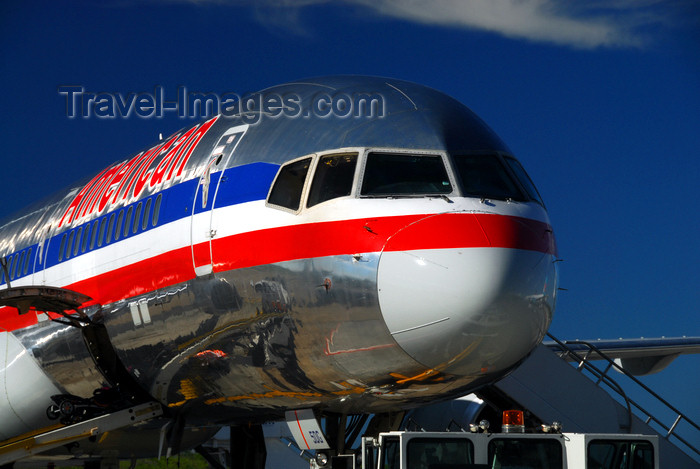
[{"x": 258, "y": 262}]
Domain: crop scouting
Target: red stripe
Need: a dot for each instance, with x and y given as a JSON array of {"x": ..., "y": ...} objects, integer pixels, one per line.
[
  {"x": 311, "y": 240},
  {"x": 458, "y": 230},
  {"x": 301, "y": 431},
  {"x": 141, "y": 277}
]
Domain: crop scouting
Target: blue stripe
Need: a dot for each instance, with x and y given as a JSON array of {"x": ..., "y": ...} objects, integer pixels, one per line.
[{"x": 239, "y": 185}]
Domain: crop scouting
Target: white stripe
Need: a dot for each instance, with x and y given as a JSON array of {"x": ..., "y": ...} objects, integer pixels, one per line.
[{"x": 254, "y": 216}]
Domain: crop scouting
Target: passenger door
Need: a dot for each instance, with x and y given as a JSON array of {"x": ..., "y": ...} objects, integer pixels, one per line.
[{"x": 203, "y": 227}]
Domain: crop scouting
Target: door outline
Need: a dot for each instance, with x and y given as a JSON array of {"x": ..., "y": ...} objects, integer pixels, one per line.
[
  {"x": 39, "y": 271},
  {"x": 201, "y": 225}
]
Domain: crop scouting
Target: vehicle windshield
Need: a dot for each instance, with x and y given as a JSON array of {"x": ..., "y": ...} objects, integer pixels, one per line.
[
  {"x": 525, "y": 453},
  {"x": 439, "y": 452},
  {"x": 396, "y": 174},
  {"x": 612, "y": 454}
]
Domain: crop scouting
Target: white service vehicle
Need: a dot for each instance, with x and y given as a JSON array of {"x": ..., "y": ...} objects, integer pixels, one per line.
[{"x": 512, "y": 449}]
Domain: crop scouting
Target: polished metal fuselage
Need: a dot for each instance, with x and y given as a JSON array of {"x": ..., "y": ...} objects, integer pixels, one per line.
[{"x": 372, "y": 326}]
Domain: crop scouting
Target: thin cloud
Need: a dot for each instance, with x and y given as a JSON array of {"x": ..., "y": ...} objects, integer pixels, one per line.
[
  {"x": 534, "y": 20},
  {"x": 580, "y": 24}
]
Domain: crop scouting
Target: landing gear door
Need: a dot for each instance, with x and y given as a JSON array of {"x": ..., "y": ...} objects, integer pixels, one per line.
[{"x": 203, "y": 215}]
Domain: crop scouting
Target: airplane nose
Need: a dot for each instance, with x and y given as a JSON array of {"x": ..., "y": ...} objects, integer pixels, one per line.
[{"x": 464, "y": 302}]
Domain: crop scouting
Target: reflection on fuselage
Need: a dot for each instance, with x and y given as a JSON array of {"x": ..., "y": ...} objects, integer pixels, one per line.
[{"x": 299, "y": 263}]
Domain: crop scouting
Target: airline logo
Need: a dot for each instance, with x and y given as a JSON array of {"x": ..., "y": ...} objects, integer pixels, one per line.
[{"x": 124, "y": 182}]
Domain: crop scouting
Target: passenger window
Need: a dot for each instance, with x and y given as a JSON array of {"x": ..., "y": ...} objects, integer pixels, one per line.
[
  {"x": 103, "y": 225},
  {"x": 287, "y": 189},
  {"x": 524, "y": 179},
  {"x": 118, "y": 229},
  {"x": 22, "y": 263},
  {"x": 14, "y": 265},
  {"x": 137, "y": 217},
  {"x": 26, "y": 264},
  {"x": 93, "y": 237},
  {"x": 485, "y": 176},
  {"x": 61, "y": 247},
  {"x": 146, "y": 214},
  {"x": 110, "y": 229},
  {"x": 86, "y": 237},
  {"x": 69, "y": 245},
  {"x": 127, "y": 222},
  {"x": 156, "y": 209},
  {"x": 78, "y": 236},
  {"x": 333, "y": 178},
  {"x": 388, "y": 174}
]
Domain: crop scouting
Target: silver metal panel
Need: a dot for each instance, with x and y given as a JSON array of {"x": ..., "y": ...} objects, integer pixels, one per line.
[
  {"x": 25, "y": 391},
  {"x": 289, "y": 343},
  {"x": 61, "y": 352}
]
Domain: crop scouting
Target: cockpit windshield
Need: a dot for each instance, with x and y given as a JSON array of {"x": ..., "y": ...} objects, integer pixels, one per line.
[
  {"x": 309, "y": 181},
  {"x": 397, "y": 174},
  {"x": 333, "y": 178},
  {"x": 289, "y": 184},
  {"x": 524, "y": 179},
  {"x": 485, "y": 176}
]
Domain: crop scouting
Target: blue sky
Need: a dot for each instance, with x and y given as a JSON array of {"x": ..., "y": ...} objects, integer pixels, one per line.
[{"x": 599, "y": 100}]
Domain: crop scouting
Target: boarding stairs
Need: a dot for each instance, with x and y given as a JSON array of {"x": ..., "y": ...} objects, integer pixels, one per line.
[{"x": 587, "y": 399}]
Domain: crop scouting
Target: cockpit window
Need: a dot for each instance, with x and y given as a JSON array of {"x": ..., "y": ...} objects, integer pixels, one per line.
[
  {"x": 286, "y": 192},
  {"x": 388, "y": 174},
  {"x": 485, "y": 176},
  {"x": 333, "y": 178},
  {"x": 524, "y": 179}
]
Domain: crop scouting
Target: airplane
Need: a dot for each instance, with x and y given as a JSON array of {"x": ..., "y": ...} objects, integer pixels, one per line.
[{"x": 347, "y": 245}]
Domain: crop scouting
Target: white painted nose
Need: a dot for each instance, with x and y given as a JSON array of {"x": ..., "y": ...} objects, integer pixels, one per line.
[{"x": 464, "y": 307}]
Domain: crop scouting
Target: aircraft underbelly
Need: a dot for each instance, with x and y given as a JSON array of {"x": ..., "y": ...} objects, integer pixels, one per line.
[{"x": 269, "y": 337}]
